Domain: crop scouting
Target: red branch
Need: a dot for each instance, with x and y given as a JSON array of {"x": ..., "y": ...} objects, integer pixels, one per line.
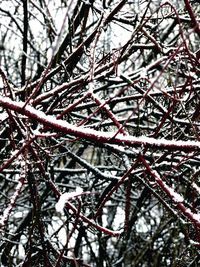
[
  {"x": 193, "y": 17},
  {"x": 93, "y": 135},
  {"x": 193, "y": 217}
]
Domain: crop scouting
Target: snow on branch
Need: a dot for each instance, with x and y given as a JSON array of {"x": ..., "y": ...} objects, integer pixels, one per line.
[
  {"x": 174, "y": 196},
  {"x": 64, "y": 201},
  {"x": 65, "y": 197},
  {"x": 5, "y": 216},
  {"x": 93, "y": 135}
]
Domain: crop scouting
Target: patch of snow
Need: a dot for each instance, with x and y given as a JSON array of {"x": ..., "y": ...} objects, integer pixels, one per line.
[
  {"x": 196, "y": 187},
  {"x": 192, "y": 242},
  {"x": 196, "y": 216},
  {"x": 65, "y": 197},
  {"x": 3, "y": 116},
  {"x": 175, "y": 196}
]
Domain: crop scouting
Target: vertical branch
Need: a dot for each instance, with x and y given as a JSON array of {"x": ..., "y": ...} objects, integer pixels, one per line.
[
  {"x": 127, "y": 204},
  {"x": 25, "y": 41},
  {"x": 4, "y": 218}
]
